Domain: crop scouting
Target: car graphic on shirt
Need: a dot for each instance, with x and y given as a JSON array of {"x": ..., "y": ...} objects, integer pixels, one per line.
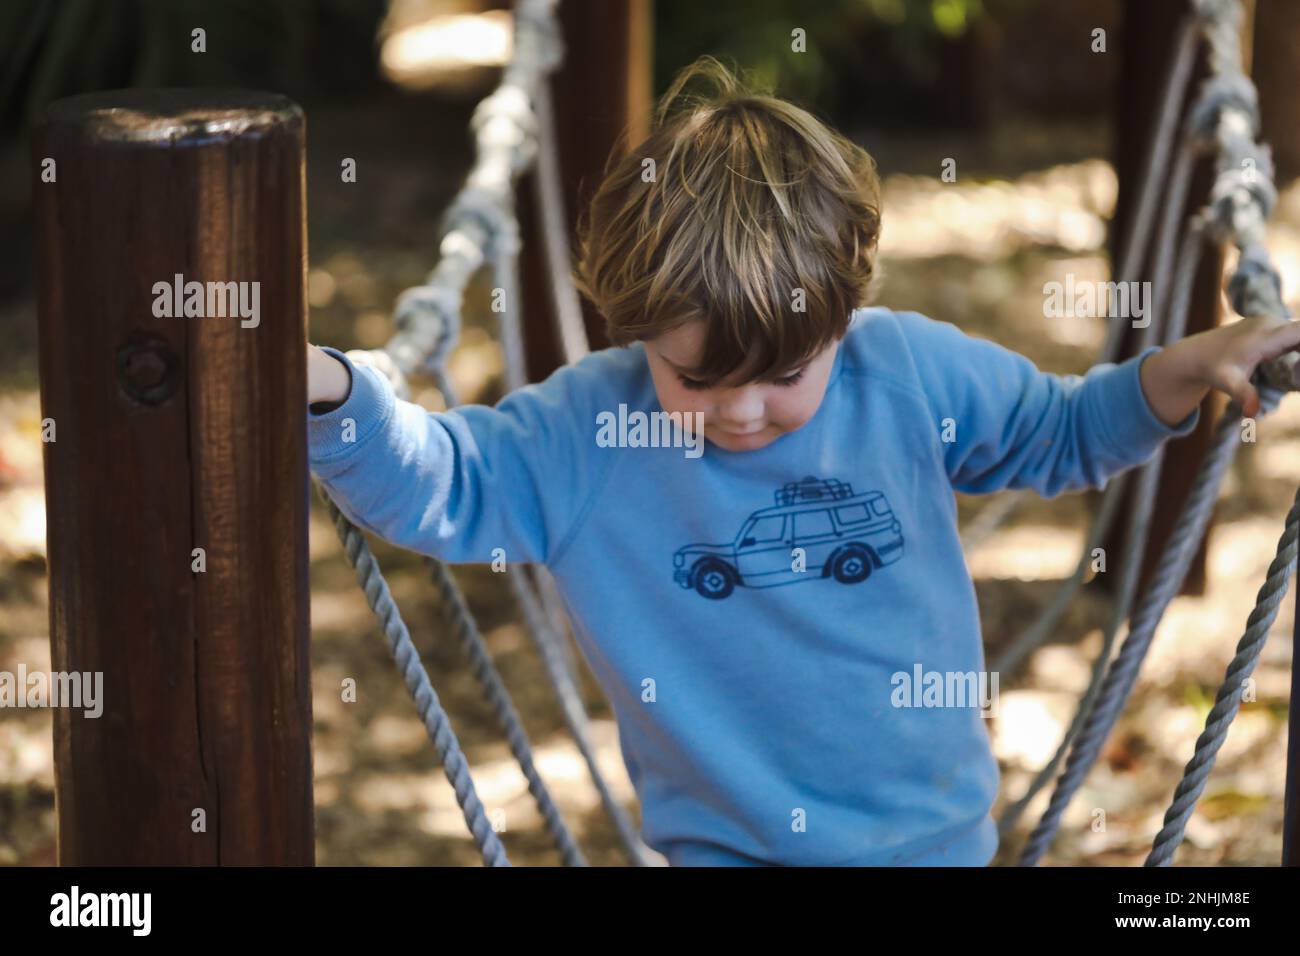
[{"x": 843, "y": 536}]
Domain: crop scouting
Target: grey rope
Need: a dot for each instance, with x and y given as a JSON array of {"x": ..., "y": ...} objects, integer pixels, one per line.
[
  {"x": 553, "y": 650},
  {"x": 428, "y": 322},
  {"x": 1045, "y": 625},
  {"x": 1143, "y": 507},
  {"x": 1240, "y": 201},
  {"x": 1176, "y": 83},
  {"x": 436, "y": 722},
  {"x": 513, "y": 129},
  {"x": 1122, "y": 673},
  {"x": 1228, "y": 701},
  {"x": 575, "y": 716},
  {"x": 555, "y": 245},
  {"x": 453, "y": 601}
]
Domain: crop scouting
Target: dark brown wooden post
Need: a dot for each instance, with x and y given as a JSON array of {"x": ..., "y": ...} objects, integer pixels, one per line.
[
  {"x": 174, "y": 433},
  {"x": 1148, "y": 41},
  {"x": 602, "y": 95}
]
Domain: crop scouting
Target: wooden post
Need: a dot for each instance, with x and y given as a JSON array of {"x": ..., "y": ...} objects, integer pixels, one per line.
[
  {"x": 174, "y": 433},
  {"x": 1148, "y": 41},
  {"x": 602, "y": 95}
]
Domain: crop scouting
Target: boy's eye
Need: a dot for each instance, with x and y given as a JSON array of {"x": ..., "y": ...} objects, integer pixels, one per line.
[{"x": 702, "y": 386}]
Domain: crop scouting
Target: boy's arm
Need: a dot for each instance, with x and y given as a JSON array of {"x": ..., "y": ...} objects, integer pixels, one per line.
[
  {"x": 1005, "y": 424},
  {"x": 457, "y": 484}
]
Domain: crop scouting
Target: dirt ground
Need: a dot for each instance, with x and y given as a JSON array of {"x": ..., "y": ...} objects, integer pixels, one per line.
[{"x": 976, "y": 253}]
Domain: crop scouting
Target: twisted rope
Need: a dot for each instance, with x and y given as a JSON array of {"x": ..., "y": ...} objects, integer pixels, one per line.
[
  {"x": 485, "y": 672},
  {"x": 436, "y": 722},
  {"x": 1122, "y": 673},
  {"x": 1225, "y": 115},
  {"x": 1228, "y": 701},
  {"x": 513, "y": 130},
  {"x": 479, "y": 222},
  {"x": 575, "y": 715},
  {"x": 1176, "y": 83},
  {"x": 1143, "y": 508}
]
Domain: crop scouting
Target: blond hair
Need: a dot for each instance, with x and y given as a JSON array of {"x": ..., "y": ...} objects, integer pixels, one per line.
[{"x": 738, "y": 209}]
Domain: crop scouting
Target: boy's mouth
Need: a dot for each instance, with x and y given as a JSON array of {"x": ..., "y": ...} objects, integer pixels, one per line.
[{"x": 741, "y": 440}]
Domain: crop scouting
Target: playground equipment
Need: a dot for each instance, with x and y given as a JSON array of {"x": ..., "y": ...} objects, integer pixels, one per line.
[
  {"x": 176, "y": 484},
  {"x": 211, "y": 185}
]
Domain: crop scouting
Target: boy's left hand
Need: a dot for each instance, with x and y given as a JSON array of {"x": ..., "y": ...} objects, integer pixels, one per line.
[{"x": 1177, "y": 378}]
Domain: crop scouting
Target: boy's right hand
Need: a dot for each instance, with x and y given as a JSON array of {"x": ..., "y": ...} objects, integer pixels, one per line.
[{"x": 328, "y": 379}]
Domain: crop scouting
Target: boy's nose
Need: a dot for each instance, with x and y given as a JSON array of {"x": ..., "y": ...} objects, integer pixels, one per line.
[{"x": 740, "y": 411}]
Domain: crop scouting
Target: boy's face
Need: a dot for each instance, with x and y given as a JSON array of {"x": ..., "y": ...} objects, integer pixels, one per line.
[{"x": 737, "y": 417}]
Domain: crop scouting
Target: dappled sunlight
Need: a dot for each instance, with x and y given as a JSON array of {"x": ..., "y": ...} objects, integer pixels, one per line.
[
  {"x": 1027, "y": 552},
  {"x": 343, "y": 610},
  {"x": 22, "y": 489},
  {"x": 498, "y": 780},
  {"x": 1030, "y": 724},
  {"x": 1066, "y": 206},
  {"x": 1065, "y": 668},
  {"x": 1279, "y": 457},
  {"x": 430, "y": 48}
]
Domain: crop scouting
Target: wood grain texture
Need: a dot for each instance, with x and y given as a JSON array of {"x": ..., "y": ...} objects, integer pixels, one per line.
[{"x": 175, "y": 434}]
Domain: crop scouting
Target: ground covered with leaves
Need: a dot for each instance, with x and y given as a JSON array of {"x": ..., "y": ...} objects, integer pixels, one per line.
[{"x": 1029, "y": 206}]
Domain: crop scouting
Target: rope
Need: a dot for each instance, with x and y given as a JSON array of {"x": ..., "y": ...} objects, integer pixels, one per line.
[
  {"x": 575, "y": 716},
  {"x": 1122, "y": 672},
  {"x": 479, "y": 221},
  {"x": 552, "y": 648},
  {"x": 1176, "y": 84},
  {"x": 1225, "y": 115},
  {"x": 1228, "y": 700},
  {"x": 436, "y": 722},
  {"x": 514, "y": 129},
  {"x": 502, "y": 708},
  {"x": 555, "y": 233},
  {"x": 1045, "y": 625},
  {"x": 1136, "y": 540}
]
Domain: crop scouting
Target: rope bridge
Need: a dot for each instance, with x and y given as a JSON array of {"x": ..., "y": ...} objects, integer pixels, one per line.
[{"x": 514, "y": 131}]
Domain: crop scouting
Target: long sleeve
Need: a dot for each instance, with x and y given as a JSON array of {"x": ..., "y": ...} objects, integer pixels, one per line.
[
  {"x": 459, "y": 484},
  {"x": 1005, "y": 424}
]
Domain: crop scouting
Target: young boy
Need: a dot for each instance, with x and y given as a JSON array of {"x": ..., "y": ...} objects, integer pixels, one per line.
[{"x": 752, "y": 628}]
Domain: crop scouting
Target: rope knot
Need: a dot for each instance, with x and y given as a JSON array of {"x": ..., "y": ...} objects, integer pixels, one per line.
[
  {"x": 1243, "y": 195},
  {"x": 537, "y": 28},
  {"x": 432, "y": 315},
  {"x": 484, "y": 207},
  {"x": 1222, "y": 97},
  {"x": 505, "y": 122}
]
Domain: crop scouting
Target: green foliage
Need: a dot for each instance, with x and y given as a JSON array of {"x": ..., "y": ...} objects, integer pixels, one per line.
[
  {"x": 756, "y": 34},
  {"x": 54, "y": 48}
]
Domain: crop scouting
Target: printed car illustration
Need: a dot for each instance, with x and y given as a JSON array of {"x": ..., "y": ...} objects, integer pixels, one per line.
[{"x": 843, "y": 536}]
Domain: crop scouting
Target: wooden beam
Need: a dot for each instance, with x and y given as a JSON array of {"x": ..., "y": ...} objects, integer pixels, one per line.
[
  {"x": 174, "y": 433},
  {"x": 1150, "y": 31},
  {"x": 602, "y": 96}
]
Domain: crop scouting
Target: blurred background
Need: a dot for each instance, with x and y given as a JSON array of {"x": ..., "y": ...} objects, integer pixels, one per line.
[{"x": 1046, "y": 133}]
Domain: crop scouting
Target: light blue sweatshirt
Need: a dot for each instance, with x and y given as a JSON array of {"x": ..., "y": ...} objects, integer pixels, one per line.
[{"x": 773, "y": 628}]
